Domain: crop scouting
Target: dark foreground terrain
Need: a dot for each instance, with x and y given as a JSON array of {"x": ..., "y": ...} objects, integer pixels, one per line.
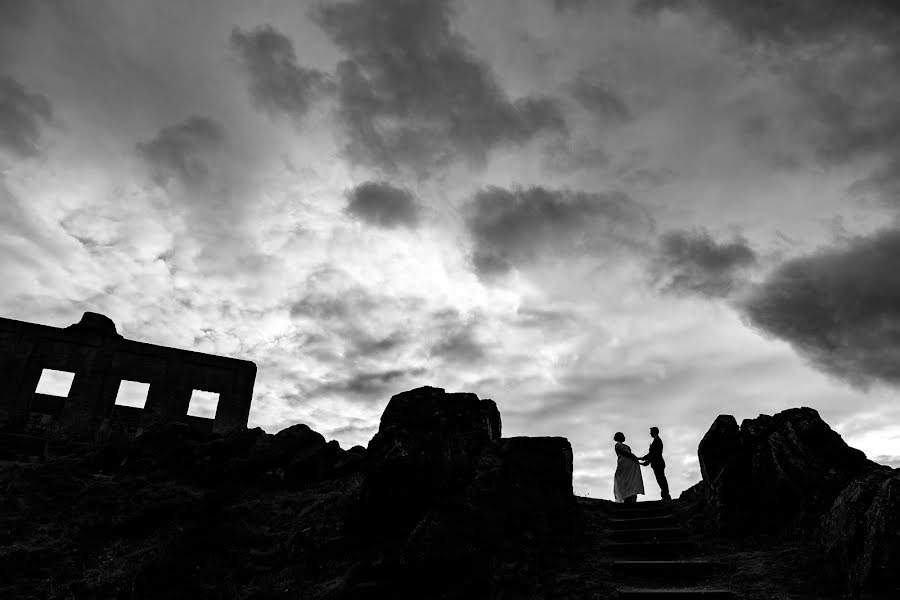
[{"x": 440, "y": 506}]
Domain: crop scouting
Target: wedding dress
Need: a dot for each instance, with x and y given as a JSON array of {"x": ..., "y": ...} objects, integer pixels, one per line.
[{"x": 628, "y": 480}]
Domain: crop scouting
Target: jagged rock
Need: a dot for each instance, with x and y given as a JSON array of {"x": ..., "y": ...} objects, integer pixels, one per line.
[
  {"x": 349, "y": 461},
  {"x": 777, "y": 471},
  {"x": 453, "y": 495},
  {"x": 297, "y": 456},
  {"x": 247, "y": 514},
  {"x": 861, "y": 534},
  {"x": 427, "y": 444},
  {"x": 719, "y": 446},
  {"x": 536, "y": 482},
  {"x": 538, "y": 464}
]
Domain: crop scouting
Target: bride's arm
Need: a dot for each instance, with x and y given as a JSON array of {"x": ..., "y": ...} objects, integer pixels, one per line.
[{"x": 622, "y": 452}]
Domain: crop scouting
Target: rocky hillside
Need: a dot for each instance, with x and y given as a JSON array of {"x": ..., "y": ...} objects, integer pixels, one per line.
[
  {"x": 791, "y": 476},
  {"x": 439, "y": 505}
]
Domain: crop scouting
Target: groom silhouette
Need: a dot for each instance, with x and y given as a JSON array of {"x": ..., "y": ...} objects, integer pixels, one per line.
[{"x": 655, "y": 459}]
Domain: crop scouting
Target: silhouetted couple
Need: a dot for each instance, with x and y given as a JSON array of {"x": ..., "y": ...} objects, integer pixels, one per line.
[{"x": 628, "y": 482}]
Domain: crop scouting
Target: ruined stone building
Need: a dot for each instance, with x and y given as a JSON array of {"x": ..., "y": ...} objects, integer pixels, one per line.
[{"x": 100, "y": 359}]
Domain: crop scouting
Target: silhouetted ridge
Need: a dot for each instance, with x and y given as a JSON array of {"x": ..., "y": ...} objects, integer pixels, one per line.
[
  {"x": 438, "y": 506},
  {"x": 791, "y": 474}
]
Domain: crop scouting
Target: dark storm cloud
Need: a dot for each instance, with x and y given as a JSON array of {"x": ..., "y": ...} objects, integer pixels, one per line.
[
  {"x": 343, "y": 310},
  {"x": 177, "y": 152},
  {"x": 884, "y": 180},
  {"x": 22, "y": 116},
  {"x": 322, "y": 306},
  {"x": 277, "y": 83},
  {"x": 459, "y": 346},
  {"x": 516, "y": 227},
  {"x": 412, "y": 95},
  {"x": 692, "y": 262},
  {"x": 645, "y": 178},
  {"x": 839, "y": 308},
  {"x": 801, "y": 21},
  {"x": 371, "y": 385},
  {"x": 373, "y": 346},
  {"x": 382, "y": 204},
  {"x": 844, "y": 58},
  {"x": 601, "y": 100},
  {"x": 563, "y": 156},
  {"x": 15, "y": 16},
  {"x": 457, "y": 340}
]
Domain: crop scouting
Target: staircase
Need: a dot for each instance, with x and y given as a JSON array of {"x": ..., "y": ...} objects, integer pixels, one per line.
[{"x": 655, "y": 558}]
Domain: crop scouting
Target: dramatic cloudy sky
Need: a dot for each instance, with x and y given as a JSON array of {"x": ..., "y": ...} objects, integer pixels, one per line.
[{"x": 604, "y": 215}]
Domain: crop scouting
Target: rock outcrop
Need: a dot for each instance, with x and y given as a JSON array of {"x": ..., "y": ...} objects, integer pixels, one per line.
[
  {"x": 445, "y": 495},
  {"x": 775, "y": 471},
  {"x": 438, "y": 506},
  {"x": 428, "y": 443},
  {"x": 861, "y": 533},
  {"x": 791, "y": 473}
]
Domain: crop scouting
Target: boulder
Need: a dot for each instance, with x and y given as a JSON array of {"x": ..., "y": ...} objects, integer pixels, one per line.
[
  {"x": 297, "y": 456},
  {"x": 776, "y": 471},
  {"x": 719, "y": 446},
  {"x": 861, "y": 534},
  {"x": 427, "y": 445},
  {"x": 535, "y": 485},
  {"x": 444, "y": 496}
]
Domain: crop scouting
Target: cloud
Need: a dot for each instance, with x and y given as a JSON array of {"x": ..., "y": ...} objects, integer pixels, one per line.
[
  {"x": 331, "y": 295},
  {"x": 340, "y": 310},
  {"x": 568, "y": 156},
  {"x": 600, "y": 100},
  {"x": 22, "y": 116},
  {"x": 177, "y": 152},
  {"x": 380, "y": 203},
  {"x": 779, "y": 22},
  {"x": 372, "y": 386},
  {"x": 841, "y": 59},
  {"x": 839, "y": 308},
  {"x": 544, "y": 318},
  {"x": 692, "y": 262},
  {"x": 518, "y": 226},
  {"x": 564, "y": 5},
  {"x": 458, "y": 341},
  {"x": 277, "y": 83},
  {"x": 411, "y": 94},
  {"x": 887, "y": 459}
]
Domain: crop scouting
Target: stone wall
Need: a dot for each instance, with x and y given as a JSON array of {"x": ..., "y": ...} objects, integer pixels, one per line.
[{"x": 100, "y": 359}]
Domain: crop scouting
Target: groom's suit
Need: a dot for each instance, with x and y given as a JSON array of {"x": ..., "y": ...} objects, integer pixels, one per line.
[{"x": 658, "y": 464}]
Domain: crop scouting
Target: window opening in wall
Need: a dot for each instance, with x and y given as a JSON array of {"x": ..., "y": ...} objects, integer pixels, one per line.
[
  {"x": 203, "y": 404},
  {"x": 132, "y": 393},
  {"x": 55, "y": 383}
]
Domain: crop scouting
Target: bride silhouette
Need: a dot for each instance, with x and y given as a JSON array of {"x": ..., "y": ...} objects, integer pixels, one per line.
[{"x": 628, "y": 481}]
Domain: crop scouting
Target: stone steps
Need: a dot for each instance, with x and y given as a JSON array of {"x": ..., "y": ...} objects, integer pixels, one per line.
[
  {"x": 630, "y": 513},
  {"x": 675, "y": 594},
  {"x": 645, "y": 504},
  {"x": 653, "y": 546},
  {"x": 681, "y": 571},
  {"x": 650, "y": 534},
  {"x": 643, "y": 522},
  {"x": 673, "y": 549}
]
